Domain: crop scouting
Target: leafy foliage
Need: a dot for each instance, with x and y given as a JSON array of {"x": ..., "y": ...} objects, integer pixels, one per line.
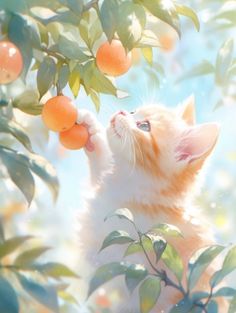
[
  {"x": 155, "y": 247},
  {"x": 23, "y": 267}
]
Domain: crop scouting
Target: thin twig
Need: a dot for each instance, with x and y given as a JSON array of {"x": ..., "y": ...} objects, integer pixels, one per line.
[
  {"x": 161, "y": 274},
  {"x": 54, "y": 54},
  {"x": 90, "y": 4}
]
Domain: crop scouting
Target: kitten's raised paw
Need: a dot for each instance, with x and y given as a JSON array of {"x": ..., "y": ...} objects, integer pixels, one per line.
[{"x": 94, "y": 128}]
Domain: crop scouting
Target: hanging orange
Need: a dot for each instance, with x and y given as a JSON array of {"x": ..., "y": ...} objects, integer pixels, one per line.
[
  {"x": 75, "y": 138},
  {"x": 112, "y": 58},
  {"x": 11, "y": 62},
  {"x": 59, "y": 114}
]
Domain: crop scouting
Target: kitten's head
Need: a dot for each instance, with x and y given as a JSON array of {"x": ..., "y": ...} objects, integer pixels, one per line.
[{"x": 164, "y": 142}]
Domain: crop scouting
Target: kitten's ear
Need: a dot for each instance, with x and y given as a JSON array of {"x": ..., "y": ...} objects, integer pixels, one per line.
[
  {"x": 197, "y": 142},
  {"x": 187, "y": 110}
]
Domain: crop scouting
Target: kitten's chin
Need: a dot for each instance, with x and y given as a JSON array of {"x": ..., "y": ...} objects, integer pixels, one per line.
[
  {"x": 118, "y": 147},
  {"x": 114, "y": 139}
]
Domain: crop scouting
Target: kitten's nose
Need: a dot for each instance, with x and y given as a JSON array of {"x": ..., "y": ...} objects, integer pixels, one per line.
[
  {"x": 122, "y": 113},
  {"x": 118, "y": 113}
]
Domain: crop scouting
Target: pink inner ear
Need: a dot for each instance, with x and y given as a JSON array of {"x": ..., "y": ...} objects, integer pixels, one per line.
[{"x": 196, "y": 141}]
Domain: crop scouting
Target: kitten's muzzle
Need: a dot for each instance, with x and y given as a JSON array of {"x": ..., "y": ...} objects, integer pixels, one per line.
[{"x": 124, "y": 113}]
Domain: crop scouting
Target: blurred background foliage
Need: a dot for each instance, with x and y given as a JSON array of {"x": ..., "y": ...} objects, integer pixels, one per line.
[{"x": 58, "y": 41}]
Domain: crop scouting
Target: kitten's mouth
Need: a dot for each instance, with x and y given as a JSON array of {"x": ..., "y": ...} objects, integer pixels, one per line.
[{"x": 113, "y": 126}]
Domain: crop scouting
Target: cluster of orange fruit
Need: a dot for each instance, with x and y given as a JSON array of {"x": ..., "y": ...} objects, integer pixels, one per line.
[{"x": 59, "y": 114}]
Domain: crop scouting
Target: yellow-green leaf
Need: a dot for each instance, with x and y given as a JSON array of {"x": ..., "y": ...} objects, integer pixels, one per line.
[
  {"x": 74, "y": 82},
  {"x": 149, "y": 293},
  {"x": 148, "y": 55}
]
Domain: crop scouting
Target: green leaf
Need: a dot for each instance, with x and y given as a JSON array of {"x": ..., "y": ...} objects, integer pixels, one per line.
[
  {"x": 28, "y": 102},
  {"x": 165, "y": 12},
  {"x": 69, "y": 46},
  {"x": 199, "y": 295},
  {"x": 212, "y": 307},
  {"x": 105, "y": 273},
  {"x": 204, "y": 68},
  {"x": 200, "y": 261},
  {"x": 122, "y": 213},
  {"x": 188, "y": 12},
  {"x": 46, "y": 75},
  {"x": 95, "y": 80},
  {"x": 32, "y": 31},
  {"x": 223, "y": 61},
  {"x": 149, "y": 39},
  {"x": 74, "y": 82},
  {"x": 42, "y": 12},
  {"x": 95, "y": 32},
  {"x": 134, "y": 247},
  {"x": 96, "y": 99},
  {"x": 109, "y": 18},
  {"x": 44, "y": 294},
  {"x": 159, "y": 245},
  {"x": 232, "y": 305},
  {"x": 132, "y": 20},
  {"x": 29, "y": 256},
  {"x": 8, "y": 298},
  {"x": 167, "y": 229},
  {"x": 19, "y": 173},
  {"x": 38, "y": 165},
  {"x": 66, "y": 296},
  {"x": 16, "y": 130},
  {"x": 10, "y": 245},
  {"x": 134, "y": 275},
  {"x": 74, "y": 5},
  {"x": 14, "y": 6},
  {"x": 228, "y": 266},
  {"x": 225, "y": 292},
  {"x": 2, "y": 233},
  {"x": 54, "y": 269},
  {"x": 63, "y": 76},
  {"x": 183, "y": 306},
  {"x": 173, "y": 261},
  {"x": 148, "y": 55},
  {"x": 55, "y": 29},
  {"x": 232, "y": 70},
  {"x": 116, "y": 237},
  {"x": 44, "y": 170},
  {"x": 149, "y": 293},
  {"x": 18, "y": 35}
]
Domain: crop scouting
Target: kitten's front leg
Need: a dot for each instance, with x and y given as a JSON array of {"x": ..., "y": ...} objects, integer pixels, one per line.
[{"x": 97, "y": 148}]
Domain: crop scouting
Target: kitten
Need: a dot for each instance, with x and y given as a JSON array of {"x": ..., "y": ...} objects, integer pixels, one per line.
[{"x": 147, "y": 161}]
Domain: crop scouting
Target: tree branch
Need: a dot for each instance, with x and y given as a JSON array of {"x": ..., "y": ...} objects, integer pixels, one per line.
[{"x": 162, "y": 274}]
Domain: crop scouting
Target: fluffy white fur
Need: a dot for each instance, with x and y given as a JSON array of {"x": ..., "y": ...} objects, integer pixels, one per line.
[{"x": 116, "y": 180}]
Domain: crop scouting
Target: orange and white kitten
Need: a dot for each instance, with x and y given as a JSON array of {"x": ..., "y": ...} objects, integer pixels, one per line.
[{"x": 147, "y": 161}]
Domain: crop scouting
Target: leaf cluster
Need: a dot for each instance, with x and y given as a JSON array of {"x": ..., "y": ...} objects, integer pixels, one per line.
[
  {"x": 151, "y": 280},
  {"x": 33, "y": 279}
]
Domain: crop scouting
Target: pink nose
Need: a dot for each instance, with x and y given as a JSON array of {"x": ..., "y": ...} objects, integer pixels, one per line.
[
  {"x": 118, "y": 113},
  {"x": 122, "y": 113}
]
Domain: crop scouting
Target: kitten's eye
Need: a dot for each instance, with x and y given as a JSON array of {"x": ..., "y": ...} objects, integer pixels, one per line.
[
  {"x": 144, "y": 126},
  {"x": 132, "y": 112}
]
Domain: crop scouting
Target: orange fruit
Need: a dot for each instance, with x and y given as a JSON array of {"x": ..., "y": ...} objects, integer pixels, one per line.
[
  {"x": 11, "y": 62},
  {"x": 112, "y": 58},
  {"x": 103, "y": 301},
  {"x": 75, "y": 137},
  {"x": 167, "y": 42},
  {"x": 59, "y": 114}
]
